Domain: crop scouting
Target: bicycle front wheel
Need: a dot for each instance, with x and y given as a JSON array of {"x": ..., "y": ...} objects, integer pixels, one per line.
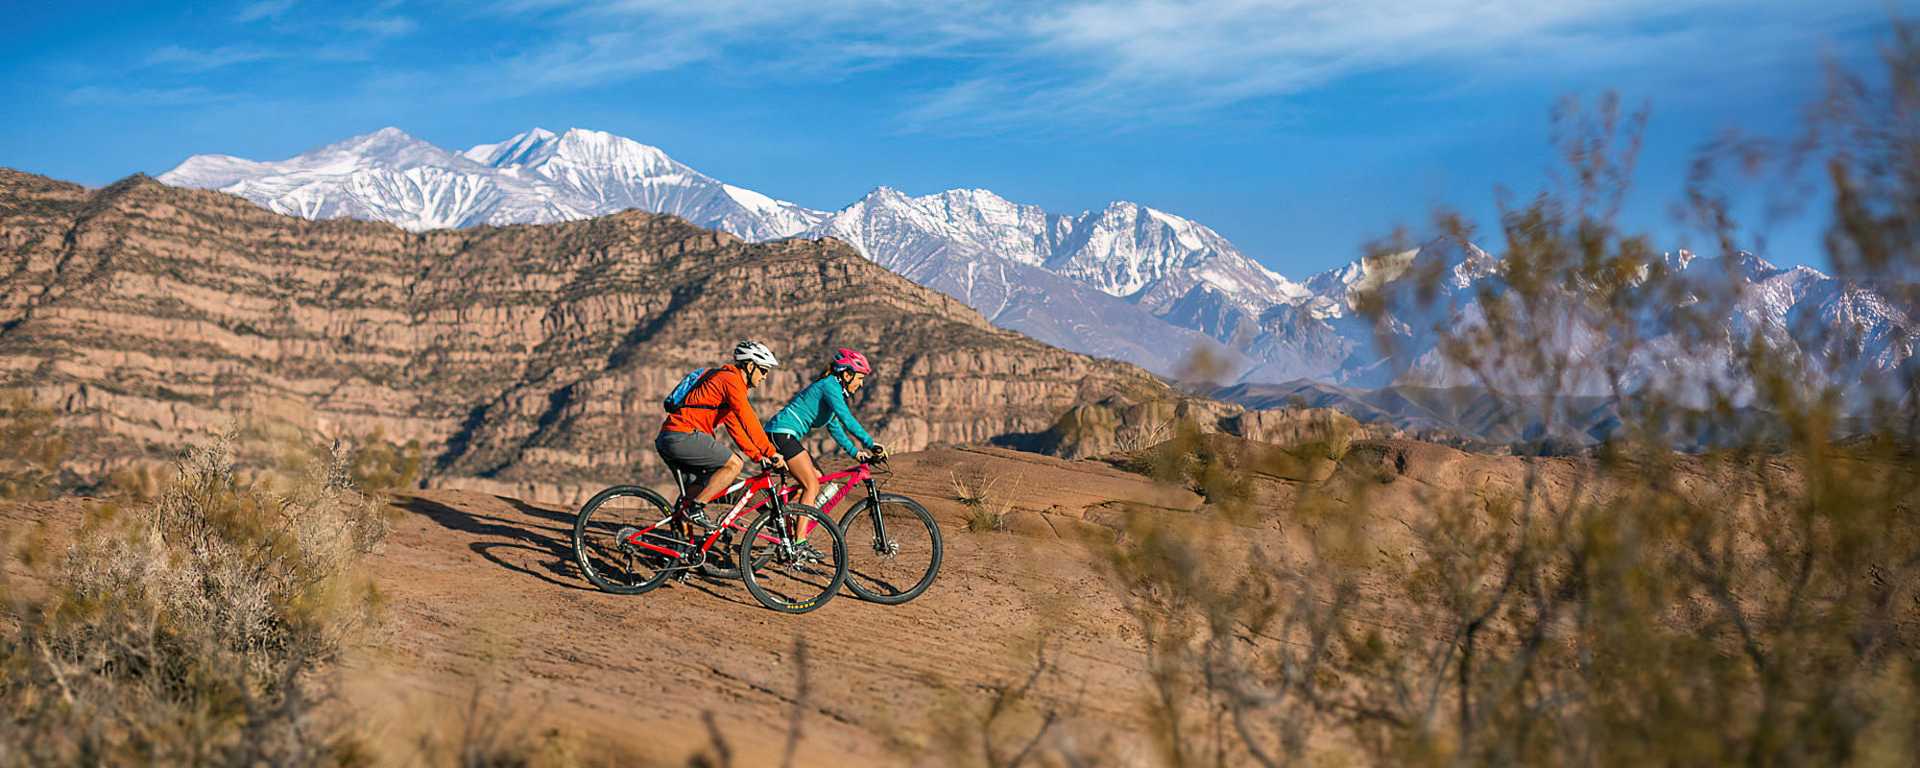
[
  {"x": 893, "y": 549},
  {"x": 720, "y": 563},
  {"x": 623, "y": 540},
  {"x": 789, "y": 581}
]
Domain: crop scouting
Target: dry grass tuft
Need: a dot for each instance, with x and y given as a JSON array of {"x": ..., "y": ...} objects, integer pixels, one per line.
[
  {"x": 30, "y": 451},
  {"x": 186, "y": 631},
  {"x": 986, "y": 496}
]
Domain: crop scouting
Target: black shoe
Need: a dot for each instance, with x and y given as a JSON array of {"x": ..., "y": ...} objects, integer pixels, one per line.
[{"x": 695, "y": 513}]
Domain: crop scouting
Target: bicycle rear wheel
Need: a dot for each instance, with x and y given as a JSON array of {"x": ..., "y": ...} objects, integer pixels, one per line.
[
  {"x": 788, "y": 583},
  {"x": 898, "y": 566},
  {"x": 618, "y": 538}
]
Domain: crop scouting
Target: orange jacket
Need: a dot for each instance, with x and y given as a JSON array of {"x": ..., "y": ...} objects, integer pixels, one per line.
[{"x": 722, "y": 400}]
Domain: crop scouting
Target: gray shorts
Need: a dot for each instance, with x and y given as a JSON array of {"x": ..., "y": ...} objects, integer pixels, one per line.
[{"x": 696, "y": 453}]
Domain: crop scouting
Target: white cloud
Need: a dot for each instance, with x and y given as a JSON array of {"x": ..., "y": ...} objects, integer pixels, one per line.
[
  {"x": 110, "y": 96},
  {"x": 381, "y": 26},
  {"x": 201, "y": 60},
  {"x": 1102, "y": 59},
  {"x": 264, "y": 9}
]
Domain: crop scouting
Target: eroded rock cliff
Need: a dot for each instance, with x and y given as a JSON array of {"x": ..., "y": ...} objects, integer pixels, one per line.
[{"x": 528, "y": 359}]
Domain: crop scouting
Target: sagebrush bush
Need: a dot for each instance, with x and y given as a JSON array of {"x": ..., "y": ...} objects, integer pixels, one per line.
[
  {"x": 381, "y": 465},
  {"x": 1639, "y": 604},
  {"x": 987, "y": 497},
  {"x": 184, "y": 631},
  {"x": 30, "y": 449}
]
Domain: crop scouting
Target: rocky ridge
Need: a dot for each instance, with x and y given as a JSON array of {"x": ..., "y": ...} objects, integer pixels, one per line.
[
  {"x": 528, "y": 359},
  {"x": 1125, "y": 281},
  {"x": 1096, "y": 282}
]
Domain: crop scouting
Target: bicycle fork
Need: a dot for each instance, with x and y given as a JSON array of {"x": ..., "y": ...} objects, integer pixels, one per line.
[{"x": 881, "y": 544}]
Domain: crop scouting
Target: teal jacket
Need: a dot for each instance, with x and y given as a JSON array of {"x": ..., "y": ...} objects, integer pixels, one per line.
[{"x": 822, "y": 403}]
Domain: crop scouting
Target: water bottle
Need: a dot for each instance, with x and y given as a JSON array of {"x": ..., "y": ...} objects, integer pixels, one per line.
[{"x": 827, "y": 491}]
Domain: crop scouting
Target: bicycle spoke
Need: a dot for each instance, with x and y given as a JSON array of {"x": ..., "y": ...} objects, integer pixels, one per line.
[
  {"x": 608, "y": 535},
  {"x": 895, "y": 566},
  {"x": 798, "y": 575}
]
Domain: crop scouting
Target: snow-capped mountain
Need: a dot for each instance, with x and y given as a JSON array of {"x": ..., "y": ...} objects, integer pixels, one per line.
[
  {"x": 1101, "y": 282},
  {"x": 1126, "y": 250},
  {"x": 1124, "y": 281},
  {"x": 608, "y": 173},
  {"x": 534, "y": 178},
  {"x": 386, "y": 176},
  {"x": 1690, "y": 328}
]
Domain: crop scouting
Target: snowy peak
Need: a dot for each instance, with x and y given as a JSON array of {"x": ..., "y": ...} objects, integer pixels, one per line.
[
  {"x": 533, "y": 177},
  {"x": 212, "y": 171},
  {"x": 1125, "y": 249},
  {"x": 389, "y": 147},
  {"x": 519, "y": 150},
  {"x": 1455, "y": 265},
  {"x": 1155, "y": 257},
  {"x": 893, "y": 228},
  {"x": 604, "y": 151},
  {"x": 580, "y": 152}
]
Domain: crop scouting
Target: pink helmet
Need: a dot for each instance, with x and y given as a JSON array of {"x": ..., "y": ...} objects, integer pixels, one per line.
[{"x": 849, "y": 360}]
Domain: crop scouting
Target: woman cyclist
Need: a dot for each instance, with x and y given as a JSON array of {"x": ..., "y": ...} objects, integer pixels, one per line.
[{"x": 824, "y": 403}]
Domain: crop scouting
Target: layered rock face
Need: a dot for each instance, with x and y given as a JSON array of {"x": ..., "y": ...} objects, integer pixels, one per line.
[
  {"x": 1121, "y": 425},
  {"x": 528, "y": 359}
]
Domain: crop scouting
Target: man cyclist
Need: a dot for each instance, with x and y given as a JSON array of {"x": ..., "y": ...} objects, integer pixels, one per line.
[{"x": 686, "y": 442}]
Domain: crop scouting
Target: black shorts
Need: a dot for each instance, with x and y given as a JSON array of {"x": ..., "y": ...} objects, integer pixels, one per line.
[{"x": 788, "y": 445}]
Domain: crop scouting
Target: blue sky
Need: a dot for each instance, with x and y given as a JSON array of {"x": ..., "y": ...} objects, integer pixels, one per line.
[{"x": 1300, "y": 130}]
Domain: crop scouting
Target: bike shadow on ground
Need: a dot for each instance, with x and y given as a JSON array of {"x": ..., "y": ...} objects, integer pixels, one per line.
[
  {"x": 544, "y": 533},
  {"x": 715, "y": 587}
]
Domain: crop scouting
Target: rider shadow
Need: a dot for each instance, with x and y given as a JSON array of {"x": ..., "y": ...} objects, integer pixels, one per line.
[
  {"x": 707, "y": 586},
  {"x": 555, "y": 551}
]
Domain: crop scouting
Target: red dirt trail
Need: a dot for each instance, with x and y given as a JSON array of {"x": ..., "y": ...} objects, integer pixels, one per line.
[{"x": 485, "y": 612}]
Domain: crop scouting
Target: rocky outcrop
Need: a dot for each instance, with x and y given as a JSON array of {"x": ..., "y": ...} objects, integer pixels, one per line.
[
  {"x": 1298, "y": 426},
  {"x": 525, "y": 358},
  {"x": 1123, "y": 425}
]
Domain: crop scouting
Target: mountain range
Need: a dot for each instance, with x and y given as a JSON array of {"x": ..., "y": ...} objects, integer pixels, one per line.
[
  {"x": 1125, "y": 281},
  {"x": 528, "y": 360}
]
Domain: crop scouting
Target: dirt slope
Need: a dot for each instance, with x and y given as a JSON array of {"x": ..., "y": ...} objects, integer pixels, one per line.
[
  {"x": 486, "y": 612},
  {"x": 483, "y": 604},
  {"x": 485, "y": 583}
]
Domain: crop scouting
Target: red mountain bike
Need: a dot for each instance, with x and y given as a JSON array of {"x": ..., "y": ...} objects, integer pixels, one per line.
[
  {"x": 893, "y": 545},
  {"x": 628, "y": 540}
]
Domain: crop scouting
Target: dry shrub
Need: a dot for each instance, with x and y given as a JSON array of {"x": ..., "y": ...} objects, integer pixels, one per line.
[
  {"x": 30, "y": 451},
  {"x": 1755, "y": 603},
  {"x": 186, "y": 631},
  {"x": 1151, "y": 431},
  {"x": 138, "y": 482},
  {"x": 1014, "y": 726},
  {"x": 986, "y": 495},
  {"x": 1218, "y": 467},
  {"x": 381, "y": 465},
  {"x": 1240, "y": 640},
  {"x": 490, "y": 730}
]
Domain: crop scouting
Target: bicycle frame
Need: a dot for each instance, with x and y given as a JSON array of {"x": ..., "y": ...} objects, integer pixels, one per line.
[
  {"x": 859, "y": 475},
  {"x": 848, "y": 478},
  {"x": 746, "y": 488}
]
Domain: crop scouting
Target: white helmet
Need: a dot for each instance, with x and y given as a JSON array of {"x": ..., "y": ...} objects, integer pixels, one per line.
[{"x": 750, "y": 351}]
